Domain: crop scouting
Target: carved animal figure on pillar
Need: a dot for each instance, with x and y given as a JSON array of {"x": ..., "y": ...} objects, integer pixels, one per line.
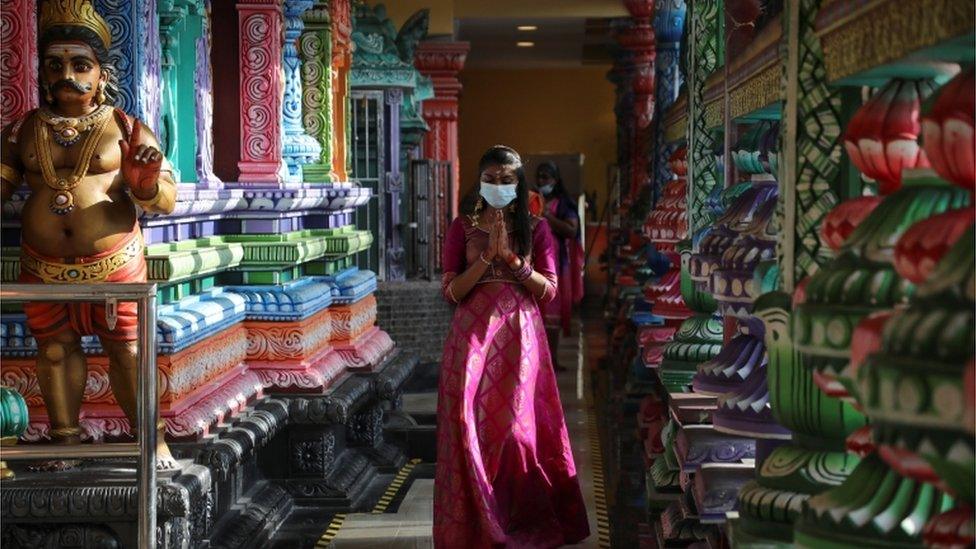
[{"x": 86, "y": 164}]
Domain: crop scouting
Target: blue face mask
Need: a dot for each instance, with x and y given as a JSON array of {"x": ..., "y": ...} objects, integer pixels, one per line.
[
  {"x": 498, "y": 196},
  {"x": 546, "y": 190}
]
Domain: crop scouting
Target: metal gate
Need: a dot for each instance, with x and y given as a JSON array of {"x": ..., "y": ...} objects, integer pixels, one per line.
[
  {"x": 367, "y": 167},
  {"x": 428, "y": 215}
]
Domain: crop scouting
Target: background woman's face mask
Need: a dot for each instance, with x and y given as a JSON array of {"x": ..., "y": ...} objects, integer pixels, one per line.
[{"x": 546, "y": 190}]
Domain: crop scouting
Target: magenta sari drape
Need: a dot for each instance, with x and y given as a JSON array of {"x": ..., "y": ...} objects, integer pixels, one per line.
[{"x": 505, "y": 474}]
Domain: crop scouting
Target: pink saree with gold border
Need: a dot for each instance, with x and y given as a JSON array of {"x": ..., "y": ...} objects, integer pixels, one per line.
[{"x": 505, "y": 473}]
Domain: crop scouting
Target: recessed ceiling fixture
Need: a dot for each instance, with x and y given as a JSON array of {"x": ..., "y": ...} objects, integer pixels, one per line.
[
  {"x": 525, "y": 44},
  {"x": 526, "y": 28}
]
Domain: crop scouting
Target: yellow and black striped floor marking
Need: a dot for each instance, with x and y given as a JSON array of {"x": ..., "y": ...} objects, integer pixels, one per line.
[
  {"x": 384, "y": 502},
  {"x": 394, "y": 487},
  {"x": 599, "y": 490},
  {"x": 331, "y": 532}
]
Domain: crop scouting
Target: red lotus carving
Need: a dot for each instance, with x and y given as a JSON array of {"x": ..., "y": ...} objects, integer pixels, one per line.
[
  {"x": 882, "y": 137},
  {"x": 948, "y": 131},
  {"x": 844, "y": 218}
]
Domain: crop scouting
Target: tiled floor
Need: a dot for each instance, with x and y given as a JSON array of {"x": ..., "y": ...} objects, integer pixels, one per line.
[{"x": 410, "y": 526}]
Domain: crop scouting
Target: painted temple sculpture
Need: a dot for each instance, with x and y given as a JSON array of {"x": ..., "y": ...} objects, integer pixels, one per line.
[
  {"x": 813, "y": 165},
  {"x": 73, "y": 152},
  {"x": 257, "y": 220}
]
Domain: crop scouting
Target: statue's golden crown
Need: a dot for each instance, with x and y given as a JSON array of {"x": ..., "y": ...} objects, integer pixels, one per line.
[{"x": 74, "y": 13}]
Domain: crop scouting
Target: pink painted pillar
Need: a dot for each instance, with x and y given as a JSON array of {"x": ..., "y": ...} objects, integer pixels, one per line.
[
  {"x": 18, "y": 57},
  {"x": 442, "y": 61},
  {"x": 261, "y": 91}
]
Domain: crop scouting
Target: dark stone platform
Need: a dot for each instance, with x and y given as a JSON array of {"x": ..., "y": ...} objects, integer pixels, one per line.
[{"x": 284, "y": 460}]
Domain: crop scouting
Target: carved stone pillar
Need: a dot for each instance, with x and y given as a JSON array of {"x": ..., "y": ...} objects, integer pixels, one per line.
[
  {"x": 203, "y": 86},
  {"x": 442, "y": 61},
  {"x": 619, "y": 75},
  {"x": 172, "y": 18},
  {"x": 261, "y": 87},
  {"x": 315, "y": 47},
  {"x": 668, "y": 24},
  {"x": 639, "y": 40},
  {"x": 148, "y": 98},
  {"x": 298, "y": 148},
  {"x": 341, "y": 13},
  {"x": 134, "y": 52},
  {"x": 704, "y": 57},
  {"x": 18, "y": 44}
]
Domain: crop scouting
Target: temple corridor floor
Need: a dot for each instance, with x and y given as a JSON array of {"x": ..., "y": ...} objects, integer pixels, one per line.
[{"x": 403, "y": 516}]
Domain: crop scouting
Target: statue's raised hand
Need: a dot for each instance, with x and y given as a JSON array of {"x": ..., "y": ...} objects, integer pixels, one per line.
[{"x": 140, "y": 165}]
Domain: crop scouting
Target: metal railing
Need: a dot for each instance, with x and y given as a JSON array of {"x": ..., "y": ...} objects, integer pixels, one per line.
[{"x": 145, "y": 449}]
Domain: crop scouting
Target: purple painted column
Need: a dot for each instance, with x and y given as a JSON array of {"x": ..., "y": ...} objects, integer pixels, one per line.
[{"x": 203, "y": 80}]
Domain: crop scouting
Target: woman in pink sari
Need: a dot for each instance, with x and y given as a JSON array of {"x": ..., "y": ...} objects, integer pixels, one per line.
[
  {"x": 560, "y": 211},
  {"x": 505, "y": 474}
]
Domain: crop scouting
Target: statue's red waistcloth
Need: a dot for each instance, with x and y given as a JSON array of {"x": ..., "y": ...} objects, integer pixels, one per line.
[{"x": 50, "y": 318}]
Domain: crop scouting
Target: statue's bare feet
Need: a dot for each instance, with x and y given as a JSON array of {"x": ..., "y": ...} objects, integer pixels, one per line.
[
  {"x": 53, "y": 466},
  {"x": 164, "y": 458},
  {"x": 56, "y": 465}
]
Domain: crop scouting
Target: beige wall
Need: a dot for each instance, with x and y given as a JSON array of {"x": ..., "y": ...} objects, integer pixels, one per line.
[{"x": 539, "y": 111}]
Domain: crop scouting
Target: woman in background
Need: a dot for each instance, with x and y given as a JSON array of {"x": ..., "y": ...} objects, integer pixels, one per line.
[
  {"x": 505, "y": 473},
  {"x": 560, "y": 212}
]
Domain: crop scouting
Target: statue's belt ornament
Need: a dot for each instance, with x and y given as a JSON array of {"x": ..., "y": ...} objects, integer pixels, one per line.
[
  {"x": 63, "y": 201},
  {"x": 81, "y": 273}
]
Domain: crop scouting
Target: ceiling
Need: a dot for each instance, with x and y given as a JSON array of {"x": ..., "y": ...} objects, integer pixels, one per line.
[
  {"x": 538, "y": 8},
  {"x": 560, "y": 40},
  {"x": 571, "y": 33}
]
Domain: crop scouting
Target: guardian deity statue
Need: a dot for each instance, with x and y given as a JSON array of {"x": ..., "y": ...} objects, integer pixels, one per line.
[{"x": 87, "y": 163}]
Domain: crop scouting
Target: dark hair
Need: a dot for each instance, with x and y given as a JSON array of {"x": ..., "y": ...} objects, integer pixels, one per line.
[
  {"x": 551, "y": 168},
  {"x": 500, "y": 155},
  {"x": 90, "y": 39}
]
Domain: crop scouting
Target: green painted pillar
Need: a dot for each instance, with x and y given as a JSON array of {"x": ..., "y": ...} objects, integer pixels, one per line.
[
  {"x": 816, "y": 459},
  {"x": 315, "y": 49},
  {"x": 187, "y": 111},
  {"x": 180, "y": 25},
  {"x": 705, "y": 56}
]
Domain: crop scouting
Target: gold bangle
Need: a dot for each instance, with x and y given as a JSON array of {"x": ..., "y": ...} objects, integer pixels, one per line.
[
  {"x": 10, "y": 173},
  {"x": 450, "y": 292},
  {"x": 483, "y": 260},
  {"x": 148, "y": 203}
]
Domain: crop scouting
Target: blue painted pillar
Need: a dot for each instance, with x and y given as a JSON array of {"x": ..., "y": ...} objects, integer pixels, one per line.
[
  {"x": 669, "y": 23},
  {"x": 135, "y": 53},
  {"x": 298, "y": 147}
]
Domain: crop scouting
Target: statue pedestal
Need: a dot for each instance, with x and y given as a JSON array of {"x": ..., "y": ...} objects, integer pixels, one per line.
[
  {"x": 273, "y": 463},
  {"x": 95, "y": 505}
]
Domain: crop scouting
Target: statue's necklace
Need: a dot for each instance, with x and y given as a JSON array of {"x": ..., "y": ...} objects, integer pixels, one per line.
[
  {"x": 68, "y": 130},
  {"x": 63, "y": 200}
]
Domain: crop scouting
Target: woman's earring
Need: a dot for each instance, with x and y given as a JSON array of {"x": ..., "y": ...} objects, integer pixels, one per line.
[
  {"x": 480, "y": 205},
  {"x": 100, "y": 98}
]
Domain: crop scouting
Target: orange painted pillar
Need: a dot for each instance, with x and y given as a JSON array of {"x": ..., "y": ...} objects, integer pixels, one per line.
[
  {"x": 341, "y": 15},
  {"x": 442, "y": 61}
]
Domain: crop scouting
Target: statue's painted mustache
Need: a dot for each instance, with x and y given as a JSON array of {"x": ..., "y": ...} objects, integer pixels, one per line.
[{"x": 79, "y": 87}]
